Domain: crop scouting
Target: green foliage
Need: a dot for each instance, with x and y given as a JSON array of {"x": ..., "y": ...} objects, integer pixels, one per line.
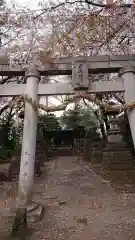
[
  {"x": 88, "y": 119},
  {"x": 6, "y": 123},
  {"x": 80, "y": 117},
  {"x": 8, "y": 136},
  {"x": 70, "y": 119},
  {"x": 48, "y": 122}
]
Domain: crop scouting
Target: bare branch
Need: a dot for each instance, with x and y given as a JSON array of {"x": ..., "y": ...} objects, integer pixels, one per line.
[
  {"x": 4, "y": 108},
  {"x": 53, "y": 108},
  {"x": 100, "y": 5},
  {"x": 5, "y": 80}
]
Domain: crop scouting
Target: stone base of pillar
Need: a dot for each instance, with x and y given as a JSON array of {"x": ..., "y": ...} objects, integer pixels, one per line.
[
  {"x": 93, "y": 151},
  {"x": 114, "y": 159},
  {"x": 35, "y": 213},
  {"x": 17, "y": 220},
  {"x": 116, "y": 154},
  {"x": 96, "y": 157},
  {"x": 19, "y": 228},
  {"x": 116, "y": 146}
]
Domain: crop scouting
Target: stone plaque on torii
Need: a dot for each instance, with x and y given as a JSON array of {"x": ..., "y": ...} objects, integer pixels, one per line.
[{"x": 79, "y": 68}]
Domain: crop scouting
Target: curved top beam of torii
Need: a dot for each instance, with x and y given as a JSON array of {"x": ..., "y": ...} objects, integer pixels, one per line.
[{"x": 63, "y": 65}]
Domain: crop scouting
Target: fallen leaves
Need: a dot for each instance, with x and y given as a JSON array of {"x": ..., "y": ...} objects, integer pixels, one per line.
[
  {"x": 81, "y": 220},
  {"x": 95, "y": 206}
]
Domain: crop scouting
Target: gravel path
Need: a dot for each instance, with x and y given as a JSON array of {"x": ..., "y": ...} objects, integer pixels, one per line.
[{"x": 82, "y": 205}]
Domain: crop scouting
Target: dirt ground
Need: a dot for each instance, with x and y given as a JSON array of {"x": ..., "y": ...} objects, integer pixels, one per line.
[{"x": 84, "y": 203}]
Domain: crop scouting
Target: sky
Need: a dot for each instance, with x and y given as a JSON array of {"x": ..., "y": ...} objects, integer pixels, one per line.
[{"x": 25, "y": 3}]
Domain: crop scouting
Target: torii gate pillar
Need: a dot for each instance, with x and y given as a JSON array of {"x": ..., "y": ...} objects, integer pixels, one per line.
[
  {"x": 27, "y": 165},
  {"x": 127, "y": 73}
]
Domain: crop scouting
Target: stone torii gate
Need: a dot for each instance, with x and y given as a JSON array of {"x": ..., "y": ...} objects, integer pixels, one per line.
[{"x": 79, "y": 68}]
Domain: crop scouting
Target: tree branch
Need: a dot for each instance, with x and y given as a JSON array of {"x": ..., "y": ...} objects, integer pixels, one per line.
[
  {"x": 4, "y": 108},
  {"x": 100, "y": 5},
  {"x": 5, "y": 80},
  {"x": 102, "y": 105},
  {"x": 53, "y": 108}
]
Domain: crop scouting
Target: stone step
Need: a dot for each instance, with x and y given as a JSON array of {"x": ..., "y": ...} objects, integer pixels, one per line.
[
  {"x": 120, "y": 163},
  {"x": 116, "y": 145},
  {"x": 118, "y": 155},
  {"x": 116, "y": 167},
  {"x": 117, "y": 131},
  {"x": 118, "y": 150},
  {"x": 118, "y": 160}
]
